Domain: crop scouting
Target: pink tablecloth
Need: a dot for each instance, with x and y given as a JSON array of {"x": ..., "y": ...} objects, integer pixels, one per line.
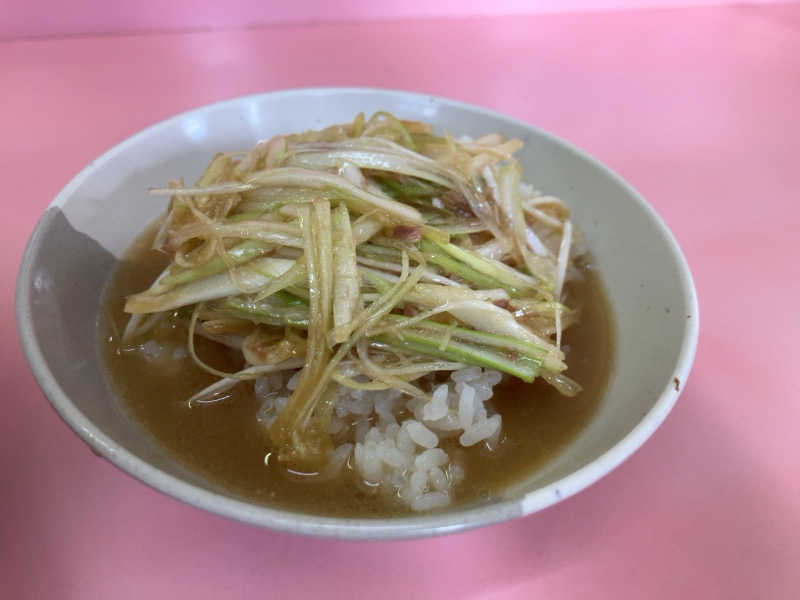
[{"x": 698, "y": 108}]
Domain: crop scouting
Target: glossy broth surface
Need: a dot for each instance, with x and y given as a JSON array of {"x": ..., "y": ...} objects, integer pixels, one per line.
[{"x": 224, "y": 443}]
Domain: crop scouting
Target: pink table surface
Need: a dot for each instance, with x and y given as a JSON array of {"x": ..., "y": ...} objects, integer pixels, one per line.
[
  {"x": 23, "y": 20},
  {"x": 698, "y": 108}
]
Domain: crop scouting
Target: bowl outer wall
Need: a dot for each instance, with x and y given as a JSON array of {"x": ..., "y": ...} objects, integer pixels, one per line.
[{"x": 652, "y": 296}]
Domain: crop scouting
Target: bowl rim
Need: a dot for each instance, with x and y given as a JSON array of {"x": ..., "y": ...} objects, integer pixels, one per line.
[{"x": 339, "y": 527}]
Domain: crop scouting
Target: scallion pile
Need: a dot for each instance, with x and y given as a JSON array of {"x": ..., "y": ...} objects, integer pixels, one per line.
[{"x": 367, "y": 255}]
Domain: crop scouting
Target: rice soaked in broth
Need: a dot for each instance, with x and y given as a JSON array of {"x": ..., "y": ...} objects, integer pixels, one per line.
[{"x": 364, "y": 320}]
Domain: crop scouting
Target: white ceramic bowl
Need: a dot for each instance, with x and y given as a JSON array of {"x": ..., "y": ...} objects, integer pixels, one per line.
[{"x": 91, "y": 222}]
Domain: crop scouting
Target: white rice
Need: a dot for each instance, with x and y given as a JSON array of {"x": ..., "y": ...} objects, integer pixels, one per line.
[{"x": 392, "y": 442}]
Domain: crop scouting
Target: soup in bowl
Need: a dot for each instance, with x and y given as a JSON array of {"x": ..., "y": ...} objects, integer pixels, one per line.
[{"x": 356, "y": 313}]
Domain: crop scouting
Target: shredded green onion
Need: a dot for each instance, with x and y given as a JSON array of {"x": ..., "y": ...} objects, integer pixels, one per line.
[{"x": 368, "y": 255}]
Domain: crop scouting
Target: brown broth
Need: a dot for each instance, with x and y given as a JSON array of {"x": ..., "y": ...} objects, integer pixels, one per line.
[{"x": 224, "y": 443}]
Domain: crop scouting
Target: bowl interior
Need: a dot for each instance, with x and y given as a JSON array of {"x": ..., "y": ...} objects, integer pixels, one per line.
[{"x": 88, "y": 227}]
